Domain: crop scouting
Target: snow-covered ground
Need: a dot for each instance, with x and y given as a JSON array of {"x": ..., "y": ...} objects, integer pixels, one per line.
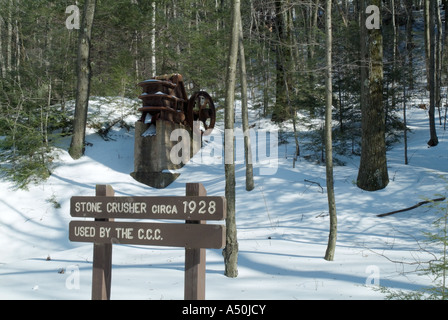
[{"x": 283, "y": 225}]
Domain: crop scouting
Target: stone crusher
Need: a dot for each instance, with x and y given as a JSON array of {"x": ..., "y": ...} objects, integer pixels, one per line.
[
  {"x": 166, "y": 107},
  {"x": 164, "y": 98}
]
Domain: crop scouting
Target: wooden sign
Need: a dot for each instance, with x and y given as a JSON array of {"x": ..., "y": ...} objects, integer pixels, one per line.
[
  {"x": 194, "y": 235},
  {"x": 155, "y": 234},
  {"x": 181, "y": 208}
]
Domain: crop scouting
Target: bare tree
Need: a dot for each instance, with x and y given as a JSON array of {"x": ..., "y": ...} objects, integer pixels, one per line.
[
  {"x": 9, "y": 37},
  {"x": 2, "y": 59},
  {"x": 153, "y": 40},
  {"x": 230, "y": 252},
  {"x": 434, "y": 140},
  {"x": 427, "y": 28},
  {"x": 282, "y": 110},
  {"x": 83, "y": 87},
  {"x": 329, "y": 254},
  {"x": 244, "y": 111}
]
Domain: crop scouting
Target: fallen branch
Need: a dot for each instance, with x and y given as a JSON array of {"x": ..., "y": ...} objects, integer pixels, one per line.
[
  {"x": 316, "y": 183},
  {"x": 104, "y": 128},
  {"x": 413, "y": 207}
]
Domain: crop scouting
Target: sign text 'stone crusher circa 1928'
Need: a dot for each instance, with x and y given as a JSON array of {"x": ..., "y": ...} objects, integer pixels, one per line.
[
  {"x": 179, "y": 208},
  {"x": 194, "y": 235}
]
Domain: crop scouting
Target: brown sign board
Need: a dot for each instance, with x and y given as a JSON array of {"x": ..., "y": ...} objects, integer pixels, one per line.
[
  {"x": 186, "y": 235},
  {"x": 181, "y": 208}
]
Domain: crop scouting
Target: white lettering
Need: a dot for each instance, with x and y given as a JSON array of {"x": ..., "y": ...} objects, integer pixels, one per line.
[
  {"x": 124, "y": 233},
  {"x": 264, "y": 152},
  {"x": 267, "y": 143},
  {"x": 157, "y": 235},
  {"x": 374, "y": 278},
  {"x": 149, "y": 234},
  {"x": 88, "y": 232},
  {"x": 373, "y": 21},
  {"x": 246, "y": 310},
  {"x": 94, "y": 207},
  {"x": 104, "y": 232},
  {"x": 72, "y": 281},
  {"x": 181, "y": 151},
  {"x": 190, "y": 207},
  {"x": 72, "y": 21},
  {"x": 126, "y": 207},
  {"x": 199, "y": 310},
  {"x": 164, "y": 209}
]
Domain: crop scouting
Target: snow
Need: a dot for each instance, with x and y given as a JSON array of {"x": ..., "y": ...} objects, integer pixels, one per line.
[
  {"x": 151, "y": 131},
  {"x": 283, "y": 224}
]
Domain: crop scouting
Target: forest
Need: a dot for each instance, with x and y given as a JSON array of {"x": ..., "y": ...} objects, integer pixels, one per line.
[
  {"x": 348, "y": 71},
  {"x": 285, "y": 51}
]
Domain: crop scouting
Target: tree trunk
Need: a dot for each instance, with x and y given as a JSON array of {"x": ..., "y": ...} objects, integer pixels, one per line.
[
  {"x": 405, "y": 124},
  {"x": 329, "y": 254},
  {"x": 9, "y": 37},
  {"x": 281, "y": 110},
  {"x": 244, "y": 111},
  {"x": 83, "y": 87},
  {"x": 394, "y": 78},
  {"x": 438, "y": 62},
  {"x": 409, "y": 42},
  {"x": 373, "y": 173},
  {"x": 434, "y": 140},
  {"x": 17, "y": 66},
  {"x": 313, "y": 18},
  {"x": 230, "y": 252},
  {"x": 445, "y": 40},
  {"x": 2, "y": 59},
  {"x": 427, "y": 37},
  {"x": 153, "y": 40},
  {"x": 410, "y": 77}
]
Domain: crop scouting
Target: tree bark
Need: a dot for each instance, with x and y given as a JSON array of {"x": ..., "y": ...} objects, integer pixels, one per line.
[
  {"x": 244, "y": 111},
  {"x": 77, "y": 145},
  {"x": 405, "y": 124},
  {"x": 329, "y": 254},
  {"x": 153, "y": 40},
  {"x": 427, "y": 33},
  {"x": 409, "y": 42},
  {"x": 9, "y": 37},
  {"x": 438, "y": 61},
  {"x": 413, "y": 207},
  {"x": 281, "y": 110},
  {"x": 434, "y": 140},
  {"x": 445, "y": 39},
  {"x": 373, "y": 174},
  {"x": 2, "y": 59},
  {"x": 230, "y": 252}
]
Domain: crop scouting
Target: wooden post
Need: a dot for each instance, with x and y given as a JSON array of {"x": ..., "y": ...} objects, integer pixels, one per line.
[
  {"x": 102, "y": 257},
  {"x": 194, "y": 286}
]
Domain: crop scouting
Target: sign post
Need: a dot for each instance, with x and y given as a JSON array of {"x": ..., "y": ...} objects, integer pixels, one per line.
[
  {"x": 194, "y": 287},
  {"x": 102, "y": 258},
  {"x": 194, "y": 235}
]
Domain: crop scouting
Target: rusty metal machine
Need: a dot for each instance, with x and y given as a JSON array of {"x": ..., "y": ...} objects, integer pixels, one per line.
[
  {"x": 166, "y": 107},
  {"x": 165, "y": 98}
]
